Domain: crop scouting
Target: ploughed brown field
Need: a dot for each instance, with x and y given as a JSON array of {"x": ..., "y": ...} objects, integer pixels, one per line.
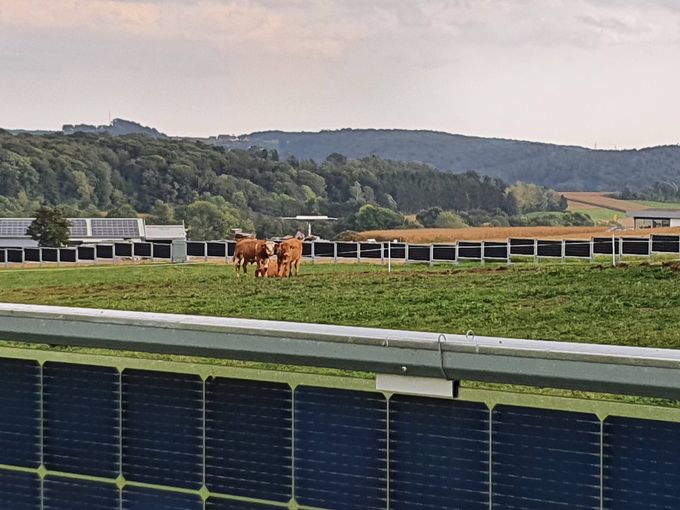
[
  {"x": 598, "y": 199},
  {"x": 437, "y": 235}
]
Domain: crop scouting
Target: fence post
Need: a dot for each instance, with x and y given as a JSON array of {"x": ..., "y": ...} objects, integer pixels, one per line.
[
  {"x": 564, "y": 251},
  {"x": 358, "y": 253},
  {"x": 613, "y": 251},
  {"x": 481, "y": 252},
  {"x": 456, "y": 253},
  {"x": 382, "y": 252},
  {"x": 205, "y": 251},
  {"x": 508, "y": 252},
  {"x": 313, "y": 252},
  {"x": 651, "y": 247},
  {"x": 592, "y": 249},
  {"x": 335, "y": 252},
  {"x": 405, "y": 253},
  {"x": 620, "y": 249},
  {"x": 535, "y": 251},
  {"x": 389, "y": 256},
  {"x": 40, "y": 261},
  {"x": 431, "y": 254}
]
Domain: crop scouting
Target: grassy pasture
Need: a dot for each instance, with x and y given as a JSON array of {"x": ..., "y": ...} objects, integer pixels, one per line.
[{"x": 636, "y": 304}]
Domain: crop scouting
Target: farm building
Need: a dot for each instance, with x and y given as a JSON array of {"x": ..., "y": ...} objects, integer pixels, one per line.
[
  {"x": 91, "y": 231},
  {"x": 655, "y": 218}
]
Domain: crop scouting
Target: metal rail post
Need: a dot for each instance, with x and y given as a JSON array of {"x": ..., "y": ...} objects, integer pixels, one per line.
[
  {"x": 613, "y": 251},
  {"x": 389, "y": 256}
]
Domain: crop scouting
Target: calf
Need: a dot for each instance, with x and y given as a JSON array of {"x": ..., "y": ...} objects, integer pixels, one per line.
[
  {"x": 250, "y": 251},
  {"x": 289, "y": 257}
]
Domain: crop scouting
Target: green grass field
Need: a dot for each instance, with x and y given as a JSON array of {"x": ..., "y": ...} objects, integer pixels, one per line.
[
  {"x": 632, "y": 305},
  {"x": 658, "y": 205}
]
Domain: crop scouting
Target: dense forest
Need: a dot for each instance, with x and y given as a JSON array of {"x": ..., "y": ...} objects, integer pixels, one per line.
[
  {"x": 565, "y": 168},
  {"x": 659, "y": 192},
  {"x": 179, "y": 179}
]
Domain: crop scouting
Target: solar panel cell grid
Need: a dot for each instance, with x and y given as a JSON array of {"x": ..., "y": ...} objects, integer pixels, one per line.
[
  {"x": 439, "y": 454},
  {"x": 19, "y": 491},
  {"x": 81, "y": 409},
  {"x": 112, "y": 227},
  {"x": 340, "y": 449},
  {"x": 545, "y": 459},
  {"x": 14, "y": 228},
  {"x": 19, "y": 413},
  {"x": 78, "y": 228},
  {"x": 163, "y": 428},
  {"x": 249, "y": 438}
]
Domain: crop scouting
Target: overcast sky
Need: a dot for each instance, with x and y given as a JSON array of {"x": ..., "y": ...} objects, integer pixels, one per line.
[{"x": 584, "y": 72}]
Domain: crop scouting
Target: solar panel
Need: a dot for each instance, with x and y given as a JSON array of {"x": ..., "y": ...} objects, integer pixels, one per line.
[
  {"x": 162, "y": 428},
  {"x": 439, "y": 454},
  {"x": 19, "y": 413},
  {"x": 19, "y": 491},
  {"x": 78, "y": 227},
  {"x": 249, "y": 423},
  {"x": 81, "y": 406},
  {"x": 14, "y": 227},
  {"x": 114, "y": 227},
  {"x": 340, "y": 449},
  {"x": 641, "y": 464},
  {"x": 545, "y": 459}
]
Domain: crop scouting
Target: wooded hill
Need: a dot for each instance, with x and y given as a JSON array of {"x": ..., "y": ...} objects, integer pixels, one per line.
[
  {"x": 91, "y": 173},
  {"x": 565, "y": 168}
]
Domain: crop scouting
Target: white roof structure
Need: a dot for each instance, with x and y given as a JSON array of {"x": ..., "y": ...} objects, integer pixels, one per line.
[
  {"x": 164, "y": 232},
  {"x": 655, "y": 214},
  {"x": 93, "y": 230}
]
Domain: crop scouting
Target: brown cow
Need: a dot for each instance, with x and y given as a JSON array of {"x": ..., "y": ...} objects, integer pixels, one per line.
[
  {"x": 250, "y": 251},
  {"x": 289, "y": 256},
  {"x": 271, "y": 269}
]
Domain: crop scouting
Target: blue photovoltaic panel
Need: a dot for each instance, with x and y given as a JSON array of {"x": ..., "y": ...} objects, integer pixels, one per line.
[
  {"x": 69, "y": 494},
  {"x": 19, "y": 413},
  {"x": 135, "y": 498},
  {"x": 641, "y": 464},
  {"x": 115, "y": 227},
  {"x": 340, "y": 449},
  {"x": 163, "y": 428},
  {"x": 78, "y": 228},
  {"x": 545, "y": 459},
  {"x": 439, "y": 454},
  {"x": 14, "y": 228},
  {"x": 19, "y": 491},
  {"x": 228, "y": 504},
  {"x": 81, "y": 408},
  {"x": 249, "y": 438}
]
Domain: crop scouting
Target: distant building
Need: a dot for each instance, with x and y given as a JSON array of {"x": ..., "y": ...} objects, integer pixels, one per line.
[
  {"x": 655, "y": 218},
  {"x": 93, "y": 230}
]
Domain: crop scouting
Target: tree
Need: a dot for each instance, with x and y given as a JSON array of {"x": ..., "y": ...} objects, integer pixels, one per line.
[
  {"x": 206, "y": 220},
  {"x": 428, "y": 217},
  {"x": 448, "y": 219},
  {"x": 161, "y": 214},
  {"x": 122, "y": 211},
  {"x": 50, "y": 228},
  {"x": 371, "y": 217}
]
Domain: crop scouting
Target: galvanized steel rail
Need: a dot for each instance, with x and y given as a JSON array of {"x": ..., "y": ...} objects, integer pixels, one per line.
[{"x": 589, "y": 367}]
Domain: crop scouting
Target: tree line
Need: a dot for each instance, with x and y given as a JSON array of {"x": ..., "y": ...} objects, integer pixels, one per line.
[{"x": 213, "y": 189}]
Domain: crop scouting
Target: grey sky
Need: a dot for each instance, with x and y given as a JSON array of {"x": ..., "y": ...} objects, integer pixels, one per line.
[{"x": 566, "y": 71}]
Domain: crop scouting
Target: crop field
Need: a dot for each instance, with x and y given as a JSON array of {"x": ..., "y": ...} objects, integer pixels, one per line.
[
  {"x": 437, "y": 235},
  {"x": 631, "y": 304},
  {"x": 599, "y": 199}
]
